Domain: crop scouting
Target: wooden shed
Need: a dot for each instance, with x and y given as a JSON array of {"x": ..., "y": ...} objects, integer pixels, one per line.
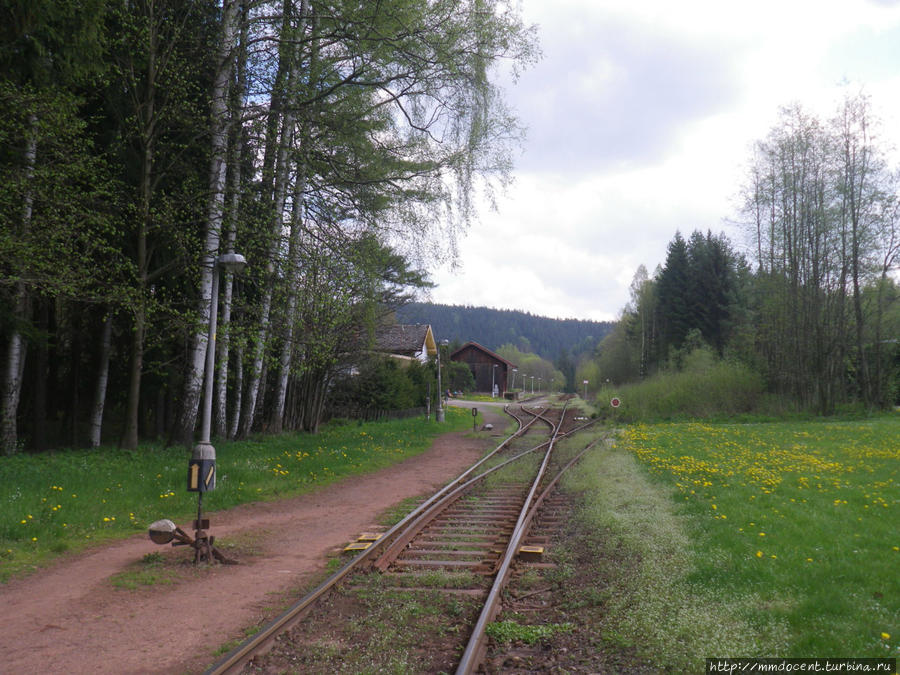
[{"x": 487, "y": 367}]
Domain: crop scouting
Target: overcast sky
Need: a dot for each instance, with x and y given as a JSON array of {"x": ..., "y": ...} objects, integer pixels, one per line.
[{"x": 640, "y": 118}]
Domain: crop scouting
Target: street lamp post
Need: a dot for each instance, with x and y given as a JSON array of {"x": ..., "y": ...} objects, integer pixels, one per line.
[
  {"x": 493, "y": 384},
  {"x": 202, "y": 467},
  {"x": 514, "y": 371},
  {"x": 532, "y": 385},
  {"x": 439, "y": 412}
]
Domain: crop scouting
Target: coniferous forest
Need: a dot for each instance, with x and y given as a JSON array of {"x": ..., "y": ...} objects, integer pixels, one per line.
[
  {"x": 334, "y": 145},
  {"x": 493, "y": 328}
]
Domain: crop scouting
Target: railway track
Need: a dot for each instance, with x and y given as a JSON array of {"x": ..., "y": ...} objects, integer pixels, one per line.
[{"x": 468, "y": 536}]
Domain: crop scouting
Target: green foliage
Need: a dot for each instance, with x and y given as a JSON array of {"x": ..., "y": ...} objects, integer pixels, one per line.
[
  {"x": 457, "y": 376},
  {"x": 66, "y": 248},
  {"x": 374, "y": 120},
  {"x": 705, "y": 387},
  {"x": 532, "y": 365},
  {"x": 697, "y": 298},
  {"x": 382, "y": 383},
  {"x": 617, "y": 358}
]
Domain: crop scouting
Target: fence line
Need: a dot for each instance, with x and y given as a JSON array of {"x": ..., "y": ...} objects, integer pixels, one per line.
[{"x": 366, "y": 414}]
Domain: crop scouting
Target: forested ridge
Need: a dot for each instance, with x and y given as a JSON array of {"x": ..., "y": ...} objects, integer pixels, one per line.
[
  {"x": 334, "y": 145},
  {"x": 493, "y": 328}
]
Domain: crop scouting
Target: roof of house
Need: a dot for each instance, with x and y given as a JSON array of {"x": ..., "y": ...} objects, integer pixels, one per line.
[
  {"x": 405, "y": 339},
  {"x": 487, "y": 351}
]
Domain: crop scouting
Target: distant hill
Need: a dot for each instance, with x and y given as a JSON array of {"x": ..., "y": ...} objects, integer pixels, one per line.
[{"x": 494, "y": 328}]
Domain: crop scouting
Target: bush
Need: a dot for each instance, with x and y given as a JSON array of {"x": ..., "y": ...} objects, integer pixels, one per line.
[
  {"x": 383, "y": 384},
  {"x": 705, "y": 387},
  {"x": 457, "y": 376}
]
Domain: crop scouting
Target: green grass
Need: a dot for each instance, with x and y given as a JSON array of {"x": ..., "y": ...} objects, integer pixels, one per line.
[
  {"x": 149, "y": 571},
  {"x": 777, "y": 539},
  {"x": 67, "y": 500},
  {"x": 512, "y": 631}
]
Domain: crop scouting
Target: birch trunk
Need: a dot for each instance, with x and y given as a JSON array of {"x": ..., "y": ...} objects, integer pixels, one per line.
[
  {"x": 284, "y": 361},
  {"x": 215, "y": 209},
  {"x": 17, "y": 348},
  {"x": 238, "y": 391},
  {"x": 254, "y": 384},
  {"x": 102, "y": 380},
  {"x": 223, "y": 344}
]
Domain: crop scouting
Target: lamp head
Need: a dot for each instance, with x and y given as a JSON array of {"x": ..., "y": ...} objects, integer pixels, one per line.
[{"x": 232, "y": 262}]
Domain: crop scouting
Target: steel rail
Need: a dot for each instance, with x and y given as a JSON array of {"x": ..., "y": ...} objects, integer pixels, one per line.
[
  {"x": 397, "y": 545},
  {"x": 243, "y": 652},
  {"x": 472, "y": 655}
]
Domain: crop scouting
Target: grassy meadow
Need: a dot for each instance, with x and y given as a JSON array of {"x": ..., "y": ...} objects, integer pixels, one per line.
[
  {"x": 767, "y": 539},
  {"x": 64, "y": 501}
]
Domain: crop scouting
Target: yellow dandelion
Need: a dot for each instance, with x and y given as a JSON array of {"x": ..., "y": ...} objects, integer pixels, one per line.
[
  {"x": 762, "y": 534},
  {"x": 885, "y": 636},
  {"x": 759, "y": 554}
]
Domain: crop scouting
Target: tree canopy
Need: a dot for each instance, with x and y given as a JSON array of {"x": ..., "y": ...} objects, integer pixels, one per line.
[{"x": 335, "y": 144}]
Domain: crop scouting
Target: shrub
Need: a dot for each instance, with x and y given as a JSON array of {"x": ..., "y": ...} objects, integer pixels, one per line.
[{"x": 705, "y": 387}]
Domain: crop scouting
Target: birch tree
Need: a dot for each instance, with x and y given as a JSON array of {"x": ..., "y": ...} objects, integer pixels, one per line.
[{"x": 219, "y": 122}]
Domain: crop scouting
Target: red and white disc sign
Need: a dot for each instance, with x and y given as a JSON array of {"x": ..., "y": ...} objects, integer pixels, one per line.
[{"x": 615, "y": 403}]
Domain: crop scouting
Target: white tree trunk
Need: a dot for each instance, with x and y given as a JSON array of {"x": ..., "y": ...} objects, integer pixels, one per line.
[
  {"x": 293, "y": 268},
  {"x": 215, "y": 208},
  {"x": 15, "y": 363},
  {"x": 279, "y": 193},
  {"x": 238, "y": 391},
  {"x": 17, "y": 348},
  {"x": 223, "y": 346},
  {"x": 102, "y": 380}
]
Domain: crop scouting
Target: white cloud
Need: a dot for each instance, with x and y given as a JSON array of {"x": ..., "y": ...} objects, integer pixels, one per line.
[{"x": 641, "y": 119}]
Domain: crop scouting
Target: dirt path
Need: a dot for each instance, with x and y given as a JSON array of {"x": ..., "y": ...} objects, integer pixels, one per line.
[{"x": 71, "y": 619}]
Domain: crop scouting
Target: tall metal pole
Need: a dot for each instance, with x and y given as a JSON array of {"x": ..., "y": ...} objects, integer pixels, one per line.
[
  {"x": 439, "y": 411},
  {"x": 202, "y": 466}
]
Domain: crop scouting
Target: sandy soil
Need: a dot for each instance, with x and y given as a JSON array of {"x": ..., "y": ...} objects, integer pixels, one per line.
[{"x": 71, "y": 619}]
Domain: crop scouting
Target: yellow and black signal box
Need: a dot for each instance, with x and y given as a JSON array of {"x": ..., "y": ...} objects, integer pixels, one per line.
[{"x": 201, "y": 475}]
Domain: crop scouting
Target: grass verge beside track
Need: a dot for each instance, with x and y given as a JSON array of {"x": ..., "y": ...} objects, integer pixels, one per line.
[
  {"x": 65, "y": 501},
  {"x": 769, "y": 540}
]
